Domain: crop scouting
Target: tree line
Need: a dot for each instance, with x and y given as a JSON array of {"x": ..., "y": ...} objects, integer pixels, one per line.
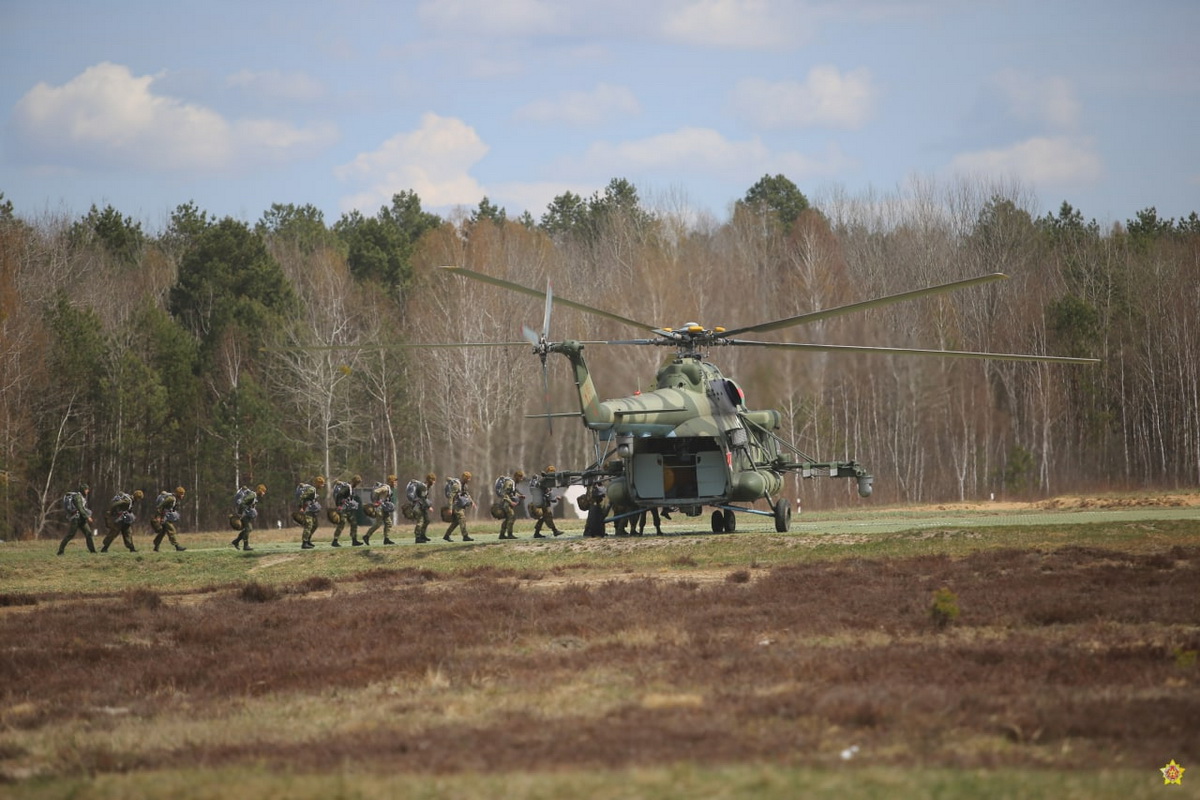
[{"x": 216, "y": 353}]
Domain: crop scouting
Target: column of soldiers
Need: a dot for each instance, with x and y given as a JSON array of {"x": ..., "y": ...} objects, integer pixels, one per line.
[
  {"x": 119, "y": 518},
  {"x": 346, "y": 505}
]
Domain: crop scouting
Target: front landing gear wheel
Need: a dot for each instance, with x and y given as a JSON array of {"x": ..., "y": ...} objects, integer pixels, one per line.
[
  {"x": 718, "y": 521},
  {"x": 730, "y": 521},
  {"x": 783, "y": 516}
]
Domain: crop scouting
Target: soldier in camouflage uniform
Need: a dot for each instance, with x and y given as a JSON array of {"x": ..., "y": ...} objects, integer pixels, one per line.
[
  {"x": 422, "y": 507},
  {"x": 309, "y": 506},
  {"x": 383, "y": 497},
  {"x": 167, "y": 514},
  {"x": 79, "y": 518},
  {"x": 460, "y": 501},
  {"x": 545, "y": 509},
  {"x": 119, "y": 519},
  {"x": 246, "y": 501},
  {"x": 597, "y": 510},
  {"x": 509, "y": 498},
  {"x": 345, "y": 499}
]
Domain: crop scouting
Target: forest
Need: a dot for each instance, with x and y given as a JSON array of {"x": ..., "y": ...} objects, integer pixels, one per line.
[{"x": 217, "y": 352}]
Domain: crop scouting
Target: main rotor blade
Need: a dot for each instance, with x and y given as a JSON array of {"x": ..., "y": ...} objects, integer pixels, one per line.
[
  {"x": 815, "y": 316},
  {"x": 398, "y": 346},
  {"x": 516, "y": 287},
  {"x": 909, "y": 351}
]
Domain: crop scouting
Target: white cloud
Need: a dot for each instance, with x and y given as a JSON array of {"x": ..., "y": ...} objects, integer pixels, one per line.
[
  {"x": 278, "y": 85},
  {"x": 737, "y": 24},
  {"x": 1040, "y": 160},
  {"x": 106, "y": 117},
  {"x": 434, "y": 161},
  {"x": 826, "y": 98},
  {"x": 703, "y": 151},
  {"x": 1049, "y": 101},
  {"x": 583, "y": 108}
]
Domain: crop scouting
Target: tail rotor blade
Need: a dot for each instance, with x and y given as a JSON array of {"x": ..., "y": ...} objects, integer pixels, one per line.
[{"x": 546, "y": 396}]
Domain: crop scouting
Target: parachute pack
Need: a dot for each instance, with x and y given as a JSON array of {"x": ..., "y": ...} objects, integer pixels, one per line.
[
  {"x": 453, "y": 487},
  {"x": 503, "y": 486},
  {"x": 304, "y": 489},
  {"x": 341, "y": 491},
  {"x": 413, "y": 490},
  {"x": 69, "y": 503},
  {"x": 242, "y": 496}
]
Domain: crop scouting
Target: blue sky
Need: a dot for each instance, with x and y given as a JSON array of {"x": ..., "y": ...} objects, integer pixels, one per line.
[{"x": 235, "y": 106}]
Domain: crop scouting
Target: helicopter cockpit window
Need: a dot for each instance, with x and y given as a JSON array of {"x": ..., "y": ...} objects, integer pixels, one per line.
[{"x": 735, "y": 393}]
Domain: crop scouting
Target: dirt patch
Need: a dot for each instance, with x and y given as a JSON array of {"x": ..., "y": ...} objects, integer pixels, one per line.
[{"x": 1069, "y": 503}]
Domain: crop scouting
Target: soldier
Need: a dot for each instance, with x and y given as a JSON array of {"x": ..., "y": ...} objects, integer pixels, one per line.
[
  {"x": 460, "y": 501},
  {"x": 308, "y": 510},
  {"x": 79, "y": 517},
  {"x": 346, "y": 501},
  {"x": 167, "y": 508},
  {"x": 545, "y": 509},
  {"x": 641, "y": 521},
  {"x": 246, "y": 502},
  {"x": 383, "y": 498},
  {"x": 597, "y": 510},
  {"x": 119, "y": 519},
  {"x": 422, "y": 506},
  {"x": 508, "y": 499}
]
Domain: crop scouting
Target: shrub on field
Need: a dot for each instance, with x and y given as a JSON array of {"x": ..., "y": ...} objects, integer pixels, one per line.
[
  {"x": 944, "y": 609},
  {"x": 143, "y": 598},
  {"x": 255, "y": 592}
]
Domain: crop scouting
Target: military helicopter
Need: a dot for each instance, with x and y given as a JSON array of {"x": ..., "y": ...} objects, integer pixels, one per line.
[{"x": 692, "y": 442}]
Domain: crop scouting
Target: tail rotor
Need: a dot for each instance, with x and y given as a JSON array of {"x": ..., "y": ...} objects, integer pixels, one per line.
[{"x": 541, "y": 348}]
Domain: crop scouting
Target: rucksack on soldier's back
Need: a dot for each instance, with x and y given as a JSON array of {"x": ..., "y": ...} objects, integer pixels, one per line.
[
  {"x": 453, "y": 486},
  {"x": 413, "y": 490},
  {"x": 503, "y": 486},
  {"x": 69, "y": 503}
]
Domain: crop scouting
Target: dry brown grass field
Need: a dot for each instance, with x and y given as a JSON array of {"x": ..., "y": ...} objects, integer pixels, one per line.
[{"x": 980, "y": 658}]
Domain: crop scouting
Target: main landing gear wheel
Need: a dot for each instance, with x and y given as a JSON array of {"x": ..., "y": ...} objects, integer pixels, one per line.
[
  {"x": 783, "y": 516},
  {"x": 730, "y": 521},
  {"x": 718, "y": 521}
]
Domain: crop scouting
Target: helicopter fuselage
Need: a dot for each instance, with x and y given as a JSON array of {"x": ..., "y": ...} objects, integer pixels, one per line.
[{"x": 688, "y": 443}]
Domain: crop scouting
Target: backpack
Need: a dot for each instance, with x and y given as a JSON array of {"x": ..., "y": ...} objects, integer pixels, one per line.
[
  {"x": 69, "y": 503},
  {"x": 413, "y": 490},
  {"x": 503, "y": 486},
  {"x": 243, "y": 496},
  {"x": 453, "y": 487},
  {"x": 341, "y": 491},
  {"x": 304, "y": 489},
  {"x": 162, "y": 498}
]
